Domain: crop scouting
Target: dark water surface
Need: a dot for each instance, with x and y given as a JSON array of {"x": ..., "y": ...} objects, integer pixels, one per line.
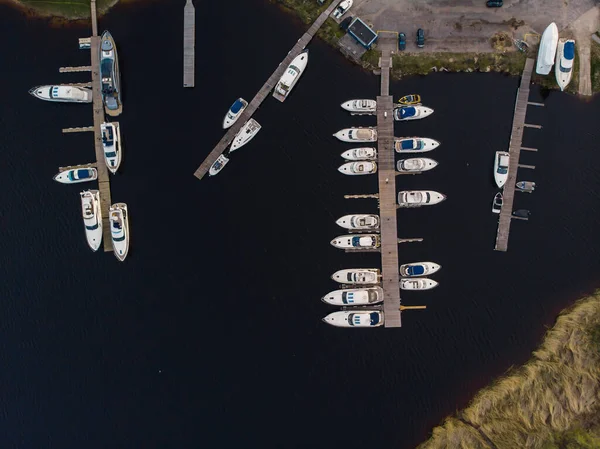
[{"x": 210, "y": 334}]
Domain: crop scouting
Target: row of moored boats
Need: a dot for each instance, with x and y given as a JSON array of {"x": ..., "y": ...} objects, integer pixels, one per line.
[{"x": 557, "y": 52}]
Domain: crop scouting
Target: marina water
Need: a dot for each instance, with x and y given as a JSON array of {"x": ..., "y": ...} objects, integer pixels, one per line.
[{"x": 210, "y": 334}]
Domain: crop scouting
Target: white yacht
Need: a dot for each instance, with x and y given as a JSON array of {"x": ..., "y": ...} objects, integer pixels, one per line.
[
  {"x": 354, "y": 296},
  {"x": 358, "y": 318},
  {"x": 360, "y": 106},
  {"x": 357, "y": 135},
  {"x": 360, "y": 154},
  {"x": 342, "y": 8},
  {"x": 416, "y": 269},
  {"x": 290, "y": 77},
  {"x": 415, "y": 144},
  {"x": 417, "y": 284},
  {"x": 359, "y": 221},
  {"x": 234, "y": 112},
  {"x": 547, "y": 50},
  {"x": 111, "y": 142},
  {"x": 358, "y": 168},
  {"x": 248, "y": 131},
  {"x": 218, "y": 165},
  {"x": 357, "y": 276},
  {"x": 565, "y": 54},
  {"x": 362, "y": 241},
  {"x": 119, "y": 229},
  {"x": 75, "y": 175},
  {"x": 417, "y": 198},
  {"x": 92, "y": 217},
  {"x": 416, "y": 165},
  {"x": 403, "y": 113},
  {"x": 63, "y": 94},
  {"x": 501, "y": 164}
]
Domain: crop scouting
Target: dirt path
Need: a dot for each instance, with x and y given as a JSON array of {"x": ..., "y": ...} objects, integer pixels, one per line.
[{"x": 583, "y": 28}]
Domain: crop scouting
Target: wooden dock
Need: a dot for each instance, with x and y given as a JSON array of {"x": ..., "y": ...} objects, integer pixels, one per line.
[
  {"x": 189, "y": 43},
  {"x": 515, "y": 146},
  {"x": 264, "y": 92},
  {"x": 86, "y": 68}
]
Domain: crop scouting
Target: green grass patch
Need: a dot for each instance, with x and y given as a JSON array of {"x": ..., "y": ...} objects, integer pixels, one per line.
[
  {"x": 307, "y": 10},
  {"x": 595, "y": 66},
  {"x": 330, "y": 32},
  {"x": 69, "y": 9}
]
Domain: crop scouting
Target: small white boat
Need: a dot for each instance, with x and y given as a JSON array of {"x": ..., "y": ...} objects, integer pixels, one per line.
[
  {"x": 416, "y": 269},
  {"x": 360, "y": 154},
  {"x": 403, "y": 113},
  {"x": 248, "y": 131},
  {"x": 415, "y": 144},
  {"x": 92, "y": 217},
  {"x": 218, "y": 165},
  {"x": 75, "y": 175},
  {"x": 501, "y": 164},
  {"x": 547, "y": 50},
  {"x": 111, "y": 142},
  {"x": 359, "y": 221},
  {"x": 357, "y": 135},
  {"x": 356, "y": 241},
  {"x": 417, "y": 284},
  {"x": 417, "y": 198},
  {"x": 360, "y": 106},
  {"x": 416, "y": 165},
  {"x": 63, "y": 94},
  {"x": 359, "y": 318},
  {"x": 526, "y": 186},
  {"x": 342, "y": 8},
  {"x": 358, "y": 168},
  {"x": 234, "y": 112},
  {"x": 291, "y": 76},
  {"x": 357, "y": 276},
  {"x": 565, "y": 54},
  {"x": 497, "y": 203},
  {"x": 354, "y": 297},
  {"x": 119, "y": 229}
]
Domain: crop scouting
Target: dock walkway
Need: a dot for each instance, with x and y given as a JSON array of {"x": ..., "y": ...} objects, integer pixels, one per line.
[
  {"x": 189, "y": 43},
  {"x": 264, "y": 92}
]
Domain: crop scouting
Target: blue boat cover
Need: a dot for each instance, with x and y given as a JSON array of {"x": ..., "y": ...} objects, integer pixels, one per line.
[
  {"x": 415, "y": 270},
  {"x": 408, "y": 144},
  {"x": 235, "y": 107},
  {"x": 355, "y": 241},
  {"x": 83, "y": 174},
  {"x": 569, "y": 50},
  {"x": 407, "y": 112}
]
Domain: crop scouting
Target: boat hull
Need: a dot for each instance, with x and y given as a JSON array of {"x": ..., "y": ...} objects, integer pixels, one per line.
[
  {"x": 360, "y": 318},
  {"x": 369, "y": 108},
  {"x": 286, "y": 83},
  {"x": 358, "y": 168},
  {"x": 112, "y": 99},
  {"x": 416, "y": 165},
  {"x": 563, "y": 69},
  {"x": 547, "y": 50},
  {"x": 424, "y": 144},
  {"x": 363, "y": 276},
  {"x": 500, "y": 178},
  {"x": 246, "y": 134},
  {"x": 497, "y": 203},
  {"x": 411, "y": 269},
  {"x": 63, "y": 177},
  {"x": 93, "y": 236},
  {"x": 342, "y": 8},
  {"x": 354, "y": 297},
  {"x": 359, "y": 241},
  {"x": 218, "y": 165},
  {"x": 353, "y": 222},
  {"x": 43, "y": 93},
  {"x": 113, "y": 163},
  {"x": 418, "y": 198},
  {"x": 232, "y": 117},
  {"x": 417, "y": 284},
  {"x": 121, "y": 247},
  {"x": 421, "y": 113},
  {"x": 357, "y": 135},
  {"x": 360, "y": 154}
]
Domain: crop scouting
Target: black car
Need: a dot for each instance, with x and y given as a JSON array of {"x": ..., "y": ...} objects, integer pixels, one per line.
[
  {"x": 402, "y": 41},
  {"x": 420, "y": 38},
  {"x": 494, "y": 3}
]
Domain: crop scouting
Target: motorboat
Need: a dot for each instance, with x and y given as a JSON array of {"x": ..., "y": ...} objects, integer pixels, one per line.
[
  {"x": 92, "y": 217},
  {"x": 416, "y": 112},
  {"x": 357, "y": 276},
  {"x": 354, "y": 296},
  {"x": 410, "y": 100},
  {"x": 565, "y": 54},
  {"x": 291, "y": 76},
  {"x": 110, "y": 75},
  {"x": 522, "y": 213},
  {"x": 360, "y": 154},
  {"x": 234, "y": 112},
  {"x": 111, "y": 142},
  {"x": 245, "y": 135},
  {"x": 357, "y": 135},
  {"x": 359, "y": 221},
  {"x": 417, "y": 198},
  {"x": 218, "y": 165},
  {"x": 416, "y": 269},
  {"x": 358, "y": 318},
  {"x": 417, "y": 284},
  {"x": 501, "y": 164},
  {"x": 360, "y": 106},
  {"x": 415, "y": 165},
  {"x": 415, "y": 144},
  {"x": 526, "y": 186},
  {"x": 547, "y": 50},
  {"x": 118, "y": 216},
  {"x": 497, "y": 203},
  {"x": 76, "y": 175},
  {"x": 358, "y": 168},
  {"x": 342, "y": 8},
  {"x": 362, "y": 241},
  {"x": 62, "y": 94}
]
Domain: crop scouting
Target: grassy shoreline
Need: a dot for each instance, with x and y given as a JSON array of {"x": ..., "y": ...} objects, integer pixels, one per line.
[{"x": 64, "y": 9}]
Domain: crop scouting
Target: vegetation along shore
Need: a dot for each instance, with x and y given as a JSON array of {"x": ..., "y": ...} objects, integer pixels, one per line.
[{"x": 66, "y": 9}]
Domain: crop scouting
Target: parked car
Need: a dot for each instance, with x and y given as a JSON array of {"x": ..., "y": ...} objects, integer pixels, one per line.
[
  {"x": 420, "y": 38},
  {"x": 402, "y": 41},
  {"x": 494, "y": 3}
]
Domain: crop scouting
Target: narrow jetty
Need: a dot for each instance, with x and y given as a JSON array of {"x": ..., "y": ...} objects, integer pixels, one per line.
[
  {"x": 264, "y": 92},
  {"x": 189, "y": 43},
  {"x": 515, "y": 147}
]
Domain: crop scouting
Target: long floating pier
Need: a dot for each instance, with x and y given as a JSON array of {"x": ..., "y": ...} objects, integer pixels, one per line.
[
  {"x": 264, "y": 92},
  {"x": 189, "y": 43},
  {"x": 515, "y": 147}
]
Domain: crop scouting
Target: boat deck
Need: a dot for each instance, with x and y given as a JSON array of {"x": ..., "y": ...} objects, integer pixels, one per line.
[{"x": 189, "y": 43}]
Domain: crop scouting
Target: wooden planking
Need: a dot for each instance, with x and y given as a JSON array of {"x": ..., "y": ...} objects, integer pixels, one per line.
[
  {"x": 189, "y": 43},
  {"x": 533, "y": 103},
  {"x": 86, "y": 68},
  {"x": 532, "y": 167},
  {"x": 528, "y": 125},
  {"x": 94, "y": 18},
  {"x": 528, "y": 149},
  {"x": 263, "y": 92},
  {"x": 79, "y": 129}
]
